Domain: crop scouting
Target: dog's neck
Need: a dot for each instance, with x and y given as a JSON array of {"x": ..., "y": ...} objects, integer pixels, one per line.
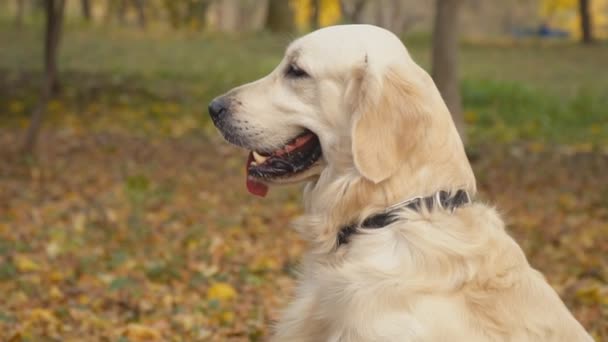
[{"x": 341, "y": 196}]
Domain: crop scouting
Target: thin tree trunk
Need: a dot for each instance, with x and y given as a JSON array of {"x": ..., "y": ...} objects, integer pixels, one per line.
[
  {"x": 353, "y": 13},
  {"x": 54, "y": 20},
  {"x": 108, "y": 15},
  {"x": 122, "y": 12},
  {"x": 55, "y": 9},
  {"x": 397, "y": 17},
  {"x": 358, "y": 11},
  {"x": 141, "y": 13},
  {"x": 20, "y": 13},
  {"x": 586, "y": 23},
  {"x": 173, "y": 10},
  {"x": 199, "y": 10},
  {"x": 86, "y": 9},
  {"x": 230, "y": 13},
  {"x": 280, "y": 16},
  {"x": 445, "y": 58},
  {"x": 315, "y": 6}
]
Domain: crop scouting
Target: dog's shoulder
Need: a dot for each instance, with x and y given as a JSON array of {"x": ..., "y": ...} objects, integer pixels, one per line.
[
  {"x": 506, "y": 297},
  {"x": 431, "y": 276}
]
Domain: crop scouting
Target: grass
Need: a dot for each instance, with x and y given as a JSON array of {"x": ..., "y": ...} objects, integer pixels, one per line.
[
  {"x": 534, "y": 91},
  {"x": 510, "y": 111}
]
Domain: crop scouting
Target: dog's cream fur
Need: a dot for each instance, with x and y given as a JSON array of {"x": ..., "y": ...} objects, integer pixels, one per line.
[{"x": 387, "y": 136}]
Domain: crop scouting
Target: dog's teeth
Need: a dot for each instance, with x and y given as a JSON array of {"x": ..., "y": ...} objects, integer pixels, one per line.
[{"x": 259, "y": 158}]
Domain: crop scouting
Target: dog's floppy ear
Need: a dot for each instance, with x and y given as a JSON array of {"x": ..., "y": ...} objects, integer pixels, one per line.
[{"x": 388, "y": 123}]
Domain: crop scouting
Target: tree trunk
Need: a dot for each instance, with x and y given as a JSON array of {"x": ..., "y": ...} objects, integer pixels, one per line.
[
  {"x": 173, "y": 11},
  {"x": 252, "y": 14},
  {"x": 196, "y": 13},
  {"x": 586, "y": 22},
  {"x": 445, "y": 58},
  {"x": 122, "y": 12},
  {"x": 54, "y": 23},
  {"x": 86, "y": 9},
  {"x": 280, "y": 16},
  {"x": 109, "y": 13},
  {"x": 54, "y": 18},
  {"x": 352, "y": 14},
  {"x": 20, "y": 13},
  {"x": 315, "y": 6},
  {"x": 230, "y": 16},
  {"x": 397, "y": 17},
  {"x": 141, "y": 13}
]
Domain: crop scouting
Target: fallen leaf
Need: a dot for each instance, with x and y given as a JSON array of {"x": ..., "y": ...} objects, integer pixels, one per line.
[
  {"x": 140, "y": 332},
  {"x": 25, "y": 264},
  {"x": 221, "y": 291}
]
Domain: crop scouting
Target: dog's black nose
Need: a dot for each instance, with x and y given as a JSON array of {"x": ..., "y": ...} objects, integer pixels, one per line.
[{"x": 217, "y": 108}]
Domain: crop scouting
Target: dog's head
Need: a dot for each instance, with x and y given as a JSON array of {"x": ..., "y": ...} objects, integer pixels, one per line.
[{"x": 346, "y": 97}]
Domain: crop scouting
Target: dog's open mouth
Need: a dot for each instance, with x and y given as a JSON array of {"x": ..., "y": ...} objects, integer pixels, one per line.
[{"x": 296, "y": 156}]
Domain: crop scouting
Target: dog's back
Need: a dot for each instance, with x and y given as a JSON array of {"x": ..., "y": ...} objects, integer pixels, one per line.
[{"x": 433, "y": 276}]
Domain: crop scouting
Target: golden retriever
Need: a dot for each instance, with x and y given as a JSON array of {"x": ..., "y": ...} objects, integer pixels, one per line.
[{"x": 350, "y": 113}]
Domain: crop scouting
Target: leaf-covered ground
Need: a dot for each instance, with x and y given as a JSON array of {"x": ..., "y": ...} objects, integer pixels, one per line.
[{"x": 110, "y": 237}]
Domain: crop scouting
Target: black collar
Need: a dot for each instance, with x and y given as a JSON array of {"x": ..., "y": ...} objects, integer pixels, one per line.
[{"x": 443, "y": 199}]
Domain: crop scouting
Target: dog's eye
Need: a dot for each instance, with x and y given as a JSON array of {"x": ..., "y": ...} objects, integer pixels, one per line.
[{"x": 294, "y": 71}]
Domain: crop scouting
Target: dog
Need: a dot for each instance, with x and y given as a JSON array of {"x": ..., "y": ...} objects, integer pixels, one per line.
[{"x": 399, "y": 248}]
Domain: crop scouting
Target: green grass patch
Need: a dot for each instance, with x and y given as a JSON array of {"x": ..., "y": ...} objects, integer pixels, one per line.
[
  {"x": 510, "y": 111},
  {"x": 159, "y": 82}
]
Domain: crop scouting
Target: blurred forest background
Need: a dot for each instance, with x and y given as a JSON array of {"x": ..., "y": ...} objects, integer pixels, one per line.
[{"x": 124, "y": 216}]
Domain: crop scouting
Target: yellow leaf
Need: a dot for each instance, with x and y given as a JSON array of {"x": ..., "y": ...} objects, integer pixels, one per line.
[
  {"x": 537, "y": 147},
  {"x": 25, "y": 264},
  {"x": 589, "y": 295},
  {"x": 16, "y": 107},
  {"x": 470, "y": 116},
  {"x": 171, "y": 108},
  {"x": 19, "y": 298},
  {"x": 140, "y": 332},
  {"x": 595, "y": 128},
  {"x": 583, "y": 147},
  {"x": 84, "y": 299},
  {"x": 53, "y": 249},
  {"x": 43, "y": 315},
  {"x": 221, "y": 291},
  {"x": 567, "y": 201},
  {"x": 192, "y": 245},
  {"x": 265, "y": 263},
  {"x": 55, "y": 293},
  {"x": 54, "y": 106},
  {"x": 168, "y": 301},
  {"x": 79, "y": 221},
  {"x": 56, "y": 276},
  {"x": 227, "y": 317}
]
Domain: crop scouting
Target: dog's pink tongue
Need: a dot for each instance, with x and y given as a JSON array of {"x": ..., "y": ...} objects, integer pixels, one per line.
[
  {"x": 253, "y": 186},
  {"x": 256, "y": 188}
]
